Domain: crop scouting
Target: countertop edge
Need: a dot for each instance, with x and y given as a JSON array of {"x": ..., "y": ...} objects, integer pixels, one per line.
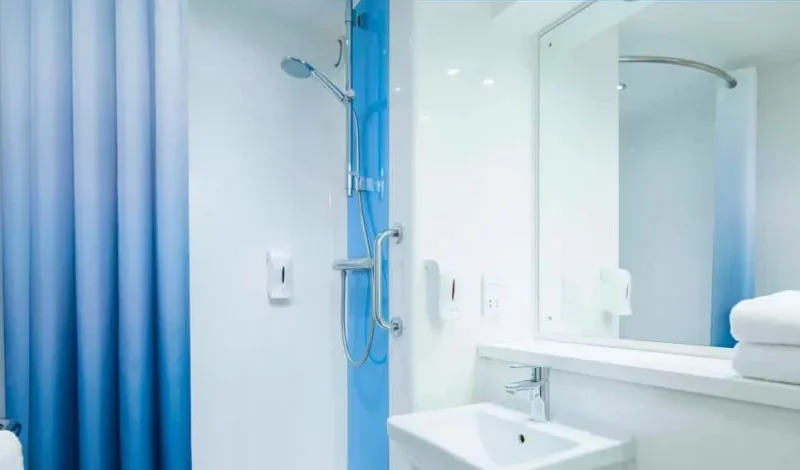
[{"x": 701, "y": 375}]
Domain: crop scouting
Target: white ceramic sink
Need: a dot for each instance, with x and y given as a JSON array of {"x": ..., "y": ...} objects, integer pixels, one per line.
[{"x": 490, "y": 437}]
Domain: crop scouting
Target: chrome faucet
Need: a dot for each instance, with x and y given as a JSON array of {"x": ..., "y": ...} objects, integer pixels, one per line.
[{"x": 538, "y": 387}]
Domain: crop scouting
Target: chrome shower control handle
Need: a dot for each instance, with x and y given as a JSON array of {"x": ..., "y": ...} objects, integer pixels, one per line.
[{"x": 356, "y": 264}]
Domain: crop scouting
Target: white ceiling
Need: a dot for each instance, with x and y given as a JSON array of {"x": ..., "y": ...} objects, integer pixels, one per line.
[{"x": 729, "y": 35}]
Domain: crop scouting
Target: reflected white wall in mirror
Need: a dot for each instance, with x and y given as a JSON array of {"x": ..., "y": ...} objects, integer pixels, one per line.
[{"x": 678, "y": 187}]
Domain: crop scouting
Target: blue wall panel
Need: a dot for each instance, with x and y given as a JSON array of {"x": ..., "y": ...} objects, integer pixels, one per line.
[{"x": 368, "y": 386}]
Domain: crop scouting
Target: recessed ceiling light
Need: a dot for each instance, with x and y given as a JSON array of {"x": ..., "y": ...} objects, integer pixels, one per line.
[
  {"x": 453, "y": 71},
  {"x": 488, "y": 81},
  {"x": 621, "y": 86}
]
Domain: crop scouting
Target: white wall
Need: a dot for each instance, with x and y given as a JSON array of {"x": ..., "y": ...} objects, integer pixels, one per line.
[
  {"x": 672, "y": 430},
  {"x": 778, "y": 179},
  {"x": 268, "y": 381},
  {"x": 667, "y": 216},
  {"x": 469, "y": 205}
]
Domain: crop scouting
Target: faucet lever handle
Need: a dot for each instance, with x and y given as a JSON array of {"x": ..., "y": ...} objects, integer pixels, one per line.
[{"x": 538, "y": 373}]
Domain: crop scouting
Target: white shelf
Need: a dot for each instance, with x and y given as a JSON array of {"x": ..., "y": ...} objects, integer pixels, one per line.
[{"x": 702, "y": 375}]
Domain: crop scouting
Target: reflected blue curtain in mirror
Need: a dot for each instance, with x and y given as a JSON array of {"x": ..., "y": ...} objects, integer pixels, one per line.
[{"x": 95, "y": 232}]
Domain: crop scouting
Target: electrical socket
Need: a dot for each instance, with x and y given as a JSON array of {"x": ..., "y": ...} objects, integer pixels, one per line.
[{"x": 492, "y": 301}]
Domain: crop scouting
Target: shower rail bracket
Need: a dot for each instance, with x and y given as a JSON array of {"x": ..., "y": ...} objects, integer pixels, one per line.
[{"x": 369, "y": 185}]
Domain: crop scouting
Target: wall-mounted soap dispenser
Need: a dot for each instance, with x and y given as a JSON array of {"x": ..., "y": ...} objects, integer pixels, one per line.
[
  {"x": 443, "y": 292},
  {"x": 614, "y": 292},
  {"x": 279, "y": 275}
]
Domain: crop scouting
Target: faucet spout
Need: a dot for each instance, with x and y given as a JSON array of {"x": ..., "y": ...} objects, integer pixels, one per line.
[
  {"x": 522, "y": 385},
  {"x": 538, "y": 387}
]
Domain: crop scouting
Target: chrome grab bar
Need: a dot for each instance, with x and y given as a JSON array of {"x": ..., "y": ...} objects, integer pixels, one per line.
[{"x": 395, "y": 324}]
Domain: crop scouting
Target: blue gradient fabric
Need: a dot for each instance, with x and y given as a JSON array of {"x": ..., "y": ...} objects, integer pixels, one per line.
[{"x": 93, "y": 142}]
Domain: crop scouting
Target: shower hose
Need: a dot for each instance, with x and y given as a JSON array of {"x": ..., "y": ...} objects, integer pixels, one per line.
[{"x": 360, "y": 360}]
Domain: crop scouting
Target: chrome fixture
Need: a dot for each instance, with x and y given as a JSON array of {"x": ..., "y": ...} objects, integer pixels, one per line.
[
  {"x": 355, "y": 181},
  {"x": 351, "y": 118},
  {"x": 730, "y": 82},
  {"x": 539, "y": 388},
  {"x": 340, "y": 58},
  {"x": 395, "y": 324},
  {"x": 356, "y": 264},
  {"x": 375, "y": 267},
  {"x": 345, "y": 266},
  {"x": 299, "y": 68}
]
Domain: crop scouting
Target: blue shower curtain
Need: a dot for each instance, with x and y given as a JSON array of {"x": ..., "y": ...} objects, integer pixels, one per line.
[{"x": 94, "y": 232}]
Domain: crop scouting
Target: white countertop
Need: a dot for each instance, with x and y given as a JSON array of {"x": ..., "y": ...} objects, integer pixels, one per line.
[{"x": 703, "y": 375}]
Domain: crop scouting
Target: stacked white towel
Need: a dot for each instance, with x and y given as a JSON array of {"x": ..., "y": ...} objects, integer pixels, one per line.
[
  {"x": 10, "y": 452},
  {"x": 768, "y": 331}
]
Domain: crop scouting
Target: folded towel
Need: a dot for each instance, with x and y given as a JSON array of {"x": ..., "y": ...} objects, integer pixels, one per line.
[
  {"x": 772, "y": 362},
  {"x": 10, "y": 451},
  {"x": 772, "y": 319}
]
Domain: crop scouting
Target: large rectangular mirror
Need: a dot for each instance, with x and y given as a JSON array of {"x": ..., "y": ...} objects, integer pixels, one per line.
[{"x": 668, "y": 167}]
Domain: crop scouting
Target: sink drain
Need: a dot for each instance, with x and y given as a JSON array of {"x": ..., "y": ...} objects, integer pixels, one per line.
[{"x": 521, "y": 439}]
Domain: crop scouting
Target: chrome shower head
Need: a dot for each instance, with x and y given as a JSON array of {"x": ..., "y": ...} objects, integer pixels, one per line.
[
  {"x": 296, "y": 68},
  {"x": 299, "y": 68}
]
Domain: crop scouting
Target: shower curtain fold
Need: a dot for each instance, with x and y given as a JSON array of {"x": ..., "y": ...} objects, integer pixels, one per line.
[{"x": 95, "y": 232}]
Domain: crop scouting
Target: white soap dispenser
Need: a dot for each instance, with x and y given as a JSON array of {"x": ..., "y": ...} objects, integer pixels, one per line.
[
  {"x": 279, "y": 275},
  {"x": 443, "y": 292},
  {"x": 614, "y": 291}
]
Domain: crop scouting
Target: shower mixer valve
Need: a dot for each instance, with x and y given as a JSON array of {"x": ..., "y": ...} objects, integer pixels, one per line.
[{"x": 374, "y": 266}]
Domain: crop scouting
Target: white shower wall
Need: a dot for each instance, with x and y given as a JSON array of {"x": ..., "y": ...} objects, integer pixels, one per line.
[{"x": 266, "y": 161}]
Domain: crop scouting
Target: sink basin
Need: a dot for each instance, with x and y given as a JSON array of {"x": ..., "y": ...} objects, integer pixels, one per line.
[{"x": 490, "y": 437}]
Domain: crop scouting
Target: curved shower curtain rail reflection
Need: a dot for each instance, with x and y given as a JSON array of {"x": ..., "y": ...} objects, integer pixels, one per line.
[{"x": 656, "y": 59}]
